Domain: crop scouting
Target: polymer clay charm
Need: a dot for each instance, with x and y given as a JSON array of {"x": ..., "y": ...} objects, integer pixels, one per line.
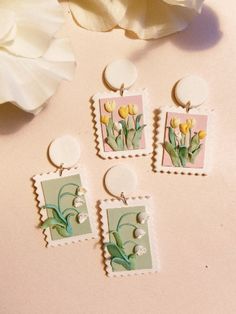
[
  {"x": 128, "y": 235},
  {"x": 62, "y": 196},
  {"x": 183, "y": 133},
  {"x": 122, "y": 117}
]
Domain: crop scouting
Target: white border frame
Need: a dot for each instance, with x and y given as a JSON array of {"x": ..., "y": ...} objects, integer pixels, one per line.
[
  {"x": 146, "y": 120},
  {"x": 160, "y": 138},
  {"x": 38, "y": 179},
  {"x": 134, "y": 201}
]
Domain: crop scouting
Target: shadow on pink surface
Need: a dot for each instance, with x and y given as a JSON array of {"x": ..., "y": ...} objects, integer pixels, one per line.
[
  {"x": 203, "y": 33},
  {"x": 12, "y": 118}
]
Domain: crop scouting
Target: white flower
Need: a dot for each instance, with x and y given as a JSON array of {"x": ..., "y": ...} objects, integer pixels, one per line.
[
  {"x": 142, "y": 217},
  {"x": 81, "y": 191},
  {"x": 78, "y": 202},
  {"x": 139, "y": 233},
  {"x": 146, "y": 18},
  {"x": 140, "y": 250},
  {"x": 82, "y": 217},
  {"x": 32, "y": 60},
  {"x": 117, "y": 126}
]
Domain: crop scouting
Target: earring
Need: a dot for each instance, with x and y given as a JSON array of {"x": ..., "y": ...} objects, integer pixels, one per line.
[
  {"x": 128, "y": 234},
  {"x": 62, "y": 196},
  {"x": 184, "y": 132},
  {"x": 122, "y": 117}
]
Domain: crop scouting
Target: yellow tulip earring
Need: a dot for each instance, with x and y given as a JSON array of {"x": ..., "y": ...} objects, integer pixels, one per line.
[
  {"x": 184, "y": 130},
  {"x": 123, "y": 127}
]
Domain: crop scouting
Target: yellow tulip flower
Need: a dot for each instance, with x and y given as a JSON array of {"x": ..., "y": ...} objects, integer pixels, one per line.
[
  {"x": 174, "y": 122},
  {"x": 110, "y": 106},
  {"x": 123, "y": 111},
  {"x": 105, "y": 120},
  {"x": 191, "y": 122},
  {"x": 133, "y": 109},
  {"x": 201, "y": 134},
  {"x": 184, "y": 128}
]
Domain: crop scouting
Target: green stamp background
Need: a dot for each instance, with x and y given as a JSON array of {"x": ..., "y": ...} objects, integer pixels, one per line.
[
  {"x": 50, "y": 190},
  {"x": 126, "y": 233}
]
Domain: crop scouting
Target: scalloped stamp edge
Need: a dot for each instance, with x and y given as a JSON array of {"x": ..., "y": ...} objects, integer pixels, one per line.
[
  {"x": 146, "y": 119},
  {"x": 159, "y": 151},
  {"x": 132, "y": 201},
  {"x": 37, "y": 179}
]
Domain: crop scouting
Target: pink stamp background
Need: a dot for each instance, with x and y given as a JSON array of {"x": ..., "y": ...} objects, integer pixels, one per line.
[
  {"x": 201, "y": 124},
  {"x": 120, "y": 101}
]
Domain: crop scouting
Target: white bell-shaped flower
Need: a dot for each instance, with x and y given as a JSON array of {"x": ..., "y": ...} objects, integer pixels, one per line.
[
  {"x": 140, "y": 250},
  {"x": 139, "y": 233},
  {"x": 82, "y": 217},
  {"x": 142, "y": 217}
]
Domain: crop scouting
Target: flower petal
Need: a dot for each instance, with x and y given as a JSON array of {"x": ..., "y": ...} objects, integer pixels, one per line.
[
  {"x": 37, "y": 22},
  {"x": 190, "y": 4},
  {"x": 7, "y": 24},
  {"x": 98, "y": 15},
  {"x": 28, "y": 83},
  {"x": 154, "y": 19}
]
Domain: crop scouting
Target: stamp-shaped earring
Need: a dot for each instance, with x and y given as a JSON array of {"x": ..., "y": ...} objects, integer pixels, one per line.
[
  {"x": 66, "y": 216},
  {"x": 184, "y": 132},
  {"x": 127, "y": 226},
  {"x": 122, "y": 117}
]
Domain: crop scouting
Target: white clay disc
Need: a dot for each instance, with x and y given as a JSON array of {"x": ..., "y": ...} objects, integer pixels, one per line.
[
  {"x": 120, "y": 72},
  {"x": 64, "y": 151},
  {"x": 191, "y": 89},
  {"x": 121, "y": 179}
]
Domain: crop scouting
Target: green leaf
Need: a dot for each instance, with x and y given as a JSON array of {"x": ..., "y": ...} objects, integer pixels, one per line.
[
  {"x": 62, "y": 232},
  {"x": 137, "y": 123},
  {"x": 70, "y": 211},
  {"x": 112, "y": 143},
  {"x": 130, "y": 123},
  {"x": 132, "y": 258},
  {"x": 195, "y": 142},
  {"x": 119, "y": 142},
  {"x": 121, "y": 262},
  {"x": 56, "y": 213},
  {"x": 137, "y": 137},
  {"x": 124, "y": 126},
  {"x": 172, "y": 136},
  {"x": 183, "y": 155},
  {"x": 50, "y": 222},
  {"x": 115, "y": 251},
  {"x": 129, "y": 138},
  {"x": 69, "y": 226},
  {"x": 118, "y": 239},
  {"x": 173, "y": 154},
  {"x": 192, "y": 156},
  {"x": 110, "y": 129}
]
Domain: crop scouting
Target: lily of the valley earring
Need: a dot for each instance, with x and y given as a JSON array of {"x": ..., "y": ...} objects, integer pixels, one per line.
[
  {"x": 128, "y": 235},
  {"x": 183, "y": 133},
  {"x": 62, "y": 196},
  {"x": 121, "y": 118}
]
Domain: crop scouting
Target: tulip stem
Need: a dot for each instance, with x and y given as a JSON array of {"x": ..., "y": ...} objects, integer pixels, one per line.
[{"x": 190, "y": 136}]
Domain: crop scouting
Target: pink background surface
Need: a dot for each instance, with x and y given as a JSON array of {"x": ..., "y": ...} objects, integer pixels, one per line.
[
  {"x": 121, "y": 101},
  {"x": 196, "y": 216},
  {"x": 201, "y": 124}
]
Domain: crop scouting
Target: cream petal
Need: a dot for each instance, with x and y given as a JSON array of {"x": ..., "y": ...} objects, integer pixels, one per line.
[
  {"x": 28, "y": 83},
  {"x": 98, "y": 15},
  {"x": 154, "y": 19},
  {"x": 190, "y": 4},
  {"x": 7, "y": 23},
  {"x": 37, "y": 22}
]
